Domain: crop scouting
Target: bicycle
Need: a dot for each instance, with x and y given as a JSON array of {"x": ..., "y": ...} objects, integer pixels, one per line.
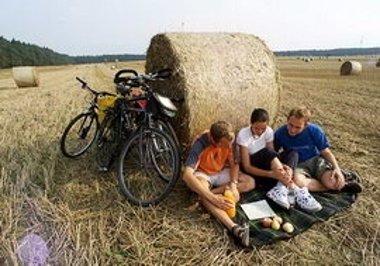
[
  {"x": 149, "y": 162},
  {"x": 82, "y": 130},
  {"x": 167, "y": 110}
]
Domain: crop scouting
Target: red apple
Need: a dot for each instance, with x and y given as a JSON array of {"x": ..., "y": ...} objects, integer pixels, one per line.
[{"x": 266, "y": 222}]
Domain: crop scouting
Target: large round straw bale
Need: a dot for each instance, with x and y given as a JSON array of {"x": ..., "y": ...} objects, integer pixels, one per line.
[
  {"x": 351, "y": 68},
  {"x": 25, "y": 76},
  {"x": 221, "y": 76},
  {"x": 378, "y": 63}
]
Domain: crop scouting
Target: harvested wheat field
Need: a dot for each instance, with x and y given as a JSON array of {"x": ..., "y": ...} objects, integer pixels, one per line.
[{"x": 86, "y": 221}]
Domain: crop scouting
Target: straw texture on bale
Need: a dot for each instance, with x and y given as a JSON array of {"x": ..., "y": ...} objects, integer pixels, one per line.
[
  {"x": 221, "y": 76},
  {"x": 25, "y": 76},
  {"x": 351, "y": 68}
]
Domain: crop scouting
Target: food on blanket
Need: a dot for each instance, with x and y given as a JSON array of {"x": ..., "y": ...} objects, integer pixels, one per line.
[
  {"x": 278, "y": 219},
  {"x": 275, "y": 225},
  {"x": 288, "y": 227},
  {"x": 266, "y": 222},
  {"x": 229, "y": 195}
]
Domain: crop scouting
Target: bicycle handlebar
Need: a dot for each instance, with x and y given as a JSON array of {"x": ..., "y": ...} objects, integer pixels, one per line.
[
  {"x": 140, "y": 80},
  {"x": 119, "y": 79},
  {"x": 85, "y": 86},
  {"x": 84, "y": 83}
]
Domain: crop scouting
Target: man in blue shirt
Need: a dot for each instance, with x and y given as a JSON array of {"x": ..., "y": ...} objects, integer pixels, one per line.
[{"x": 317, "y": 170}]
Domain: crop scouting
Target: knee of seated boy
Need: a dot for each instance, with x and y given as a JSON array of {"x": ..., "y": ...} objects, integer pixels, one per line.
[{"x": 329, "y": 180}]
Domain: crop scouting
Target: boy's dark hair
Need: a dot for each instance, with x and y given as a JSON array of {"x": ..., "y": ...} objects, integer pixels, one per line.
[
  {"x": 221, "y": 129},
  {"x": 259, "y": 115}
]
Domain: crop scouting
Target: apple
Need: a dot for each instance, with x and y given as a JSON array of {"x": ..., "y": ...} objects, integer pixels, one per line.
[
  {"x": 278, "y": 219},
  {"x": 288, "y": 227},
  {"x": 275, "y": 225},
  {"x": 266, "y": 222}
]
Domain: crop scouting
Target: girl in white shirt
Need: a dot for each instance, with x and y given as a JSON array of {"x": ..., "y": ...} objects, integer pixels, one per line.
[{"x": 257, "y": 155}]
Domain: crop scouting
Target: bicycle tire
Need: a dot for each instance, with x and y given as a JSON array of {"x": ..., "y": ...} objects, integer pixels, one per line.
[
  {"x": 86, "y": 123},
  {"x": 138, "y": 176}
]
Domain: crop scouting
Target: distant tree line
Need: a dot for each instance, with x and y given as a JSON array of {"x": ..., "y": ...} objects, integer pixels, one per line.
[
  {"x": 107, "y": 58},
  {"x": 332, "y": 52},
  {"x": 16, "y": 53}
]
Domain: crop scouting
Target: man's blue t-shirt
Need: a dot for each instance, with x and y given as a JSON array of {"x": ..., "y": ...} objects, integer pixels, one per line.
[{"x": 308, "y": 143}]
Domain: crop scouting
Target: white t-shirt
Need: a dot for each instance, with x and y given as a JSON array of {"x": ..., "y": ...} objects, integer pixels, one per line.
[{"x": 245, "y": 138}]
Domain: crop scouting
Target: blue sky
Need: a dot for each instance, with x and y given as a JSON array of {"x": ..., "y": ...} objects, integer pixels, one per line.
[{"x": 89, "y": 27}]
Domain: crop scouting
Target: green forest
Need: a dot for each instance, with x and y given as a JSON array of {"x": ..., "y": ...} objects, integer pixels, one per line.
[{"x": 17, "y": 53}]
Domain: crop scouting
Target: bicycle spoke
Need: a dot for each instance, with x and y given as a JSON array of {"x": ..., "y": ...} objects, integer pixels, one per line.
[{"x": 79, "y": 135}]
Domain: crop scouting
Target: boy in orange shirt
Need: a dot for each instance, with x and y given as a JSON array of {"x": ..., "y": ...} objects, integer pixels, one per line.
[{"x": 210, "y": 167}]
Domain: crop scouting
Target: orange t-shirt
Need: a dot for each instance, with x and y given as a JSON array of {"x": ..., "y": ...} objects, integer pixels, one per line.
[{"x": 213, "y": 159}]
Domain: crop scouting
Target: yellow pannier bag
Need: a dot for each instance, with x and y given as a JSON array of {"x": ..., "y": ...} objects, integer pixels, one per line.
[{"x": 104, "y": 102}]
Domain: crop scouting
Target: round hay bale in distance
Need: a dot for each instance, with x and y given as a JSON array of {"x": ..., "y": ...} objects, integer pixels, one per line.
[
  {"x": 25, "y": 76},
  {"x": 378, "y": 63},
  {"x": 220, "y": 76},
  {"x": 351, "y": 68}
]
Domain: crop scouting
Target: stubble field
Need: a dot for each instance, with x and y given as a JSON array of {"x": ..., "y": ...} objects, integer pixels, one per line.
[{"x": 86, "y": 221}]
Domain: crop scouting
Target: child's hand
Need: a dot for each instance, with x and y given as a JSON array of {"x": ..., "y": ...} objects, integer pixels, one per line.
[
  {"x": 339, "y": 179},
  {"x": 222, "y": 202},
  {"x": 282, "y": 176},
  {"x": 288, "y": 176},
  {"x": 288, "y": 171}
]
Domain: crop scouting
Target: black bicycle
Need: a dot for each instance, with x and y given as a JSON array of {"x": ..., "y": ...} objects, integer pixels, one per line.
[
  {"x": 162, "y": 110},
  {"x": 149, "y": 162},
  {"x": 82, "y": 130}
]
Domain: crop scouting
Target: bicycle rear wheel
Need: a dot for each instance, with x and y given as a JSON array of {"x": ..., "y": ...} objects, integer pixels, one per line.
[
  {"x": 148, "y": 167},
  {"x": 79, "y": 135}
]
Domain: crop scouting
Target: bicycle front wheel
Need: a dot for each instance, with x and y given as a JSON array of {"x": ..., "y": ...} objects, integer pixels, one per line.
[
  {"x": 79, "y": 135},
  {"x": 148, "y": 167}
]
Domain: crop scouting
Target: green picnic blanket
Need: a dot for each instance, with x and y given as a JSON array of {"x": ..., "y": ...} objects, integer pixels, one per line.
[{"x": 332, "y": 203}]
